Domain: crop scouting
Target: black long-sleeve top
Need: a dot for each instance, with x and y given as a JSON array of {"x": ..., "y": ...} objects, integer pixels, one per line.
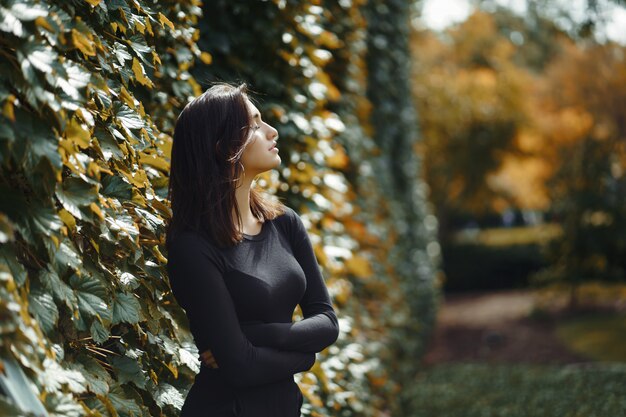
[{"x": 240, "y": 302}]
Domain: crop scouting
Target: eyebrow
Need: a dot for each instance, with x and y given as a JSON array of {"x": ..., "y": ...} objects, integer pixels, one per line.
[{"x": 255, "y": 115}]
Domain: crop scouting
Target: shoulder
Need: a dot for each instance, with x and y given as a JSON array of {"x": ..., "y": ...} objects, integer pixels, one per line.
[
  {"x": 292, "y": 225},
  {"x": 188, "y": 243},
  {"x": 290, "y": 219}
]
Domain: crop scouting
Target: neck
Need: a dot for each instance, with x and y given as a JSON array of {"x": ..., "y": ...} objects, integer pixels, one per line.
[{"x": 242, "y": 195}]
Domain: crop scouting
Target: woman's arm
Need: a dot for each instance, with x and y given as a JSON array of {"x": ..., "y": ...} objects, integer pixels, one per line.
[
  {"x": 319, "y": 328},
  {"x": 197, "y": 284}
]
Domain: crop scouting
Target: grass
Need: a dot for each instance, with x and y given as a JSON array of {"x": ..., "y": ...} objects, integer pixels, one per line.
[
  {"x": 518, "y": 390},
  {"x": 599, "y": 336}
]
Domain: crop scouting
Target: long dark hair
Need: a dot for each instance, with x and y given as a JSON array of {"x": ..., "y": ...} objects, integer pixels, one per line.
[{"x": 209, "y": 137}]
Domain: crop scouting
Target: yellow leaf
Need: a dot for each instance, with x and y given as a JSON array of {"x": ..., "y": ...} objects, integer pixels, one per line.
[
  {"x": 165, "y": 21},
  {"x": 149, "y": 26},
  {"x": 359, "y": 266},
  {"x": 172, "y": 368},
  {"x": 95, "y": 245},
  {"x": 140, "y": 74},
  {"x": 93, "y": 2},
  {"x": 55, "y": 240},
  {"x": 94, "y": 207},
  {"x": 78, "y": 134},
  {"x": 8, "y": 108},
  {"x": 82, "y": 42},
  {"x": 42, "y": 22},
  {"x": 142, "y": 111},
  {"x": 206, "y": 58},
  {"x": 127, "y": 97},
  {"x": 338, "y": 160},
  {"x": 140, "y": 27},
  {"x": 155, "y": 161},
  {"x": 155, "y": 58},
  {"x": 159, "y": 256},
  {"x": 67, "y": 218}
]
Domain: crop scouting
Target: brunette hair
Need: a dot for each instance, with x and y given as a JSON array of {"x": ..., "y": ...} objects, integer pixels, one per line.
[{"x": 209, "y": 137}]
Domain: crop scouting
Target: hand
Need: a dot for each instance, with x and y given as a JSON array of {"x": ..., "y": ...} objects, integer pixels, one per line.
[{"x": 207, "y": 359}]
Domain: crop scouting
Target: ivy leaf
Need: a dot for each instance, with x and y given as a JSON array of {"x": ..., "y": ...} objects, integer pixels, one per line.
[
  {"x": 99, "y": 333},
  {"x": 98, "y": 379},
  {"x": 42, "y": 306},
  {"x": 121, "y": 53},
  {"x": 39, "y": 56},
  {"x": 114, "y": 186},
  {"x": 140, "y": 74},
  {"x": 167, "y": 394},
  {"x": 64, "y": 256},
  {"x": 54, "y": 377},
  {"x": 122, "y": 403},
  {"x": 74, "y": 193},
  {"x": 91, "y": 293},
  {"x": 128, "y": 370},
  {"x": 126, "y": 309},
  {"x": 8, "y": 257},
  {"x": 28, "y": 12},
  {"x": 128, "y": 118},
  {"x": 53, "y": 283}
]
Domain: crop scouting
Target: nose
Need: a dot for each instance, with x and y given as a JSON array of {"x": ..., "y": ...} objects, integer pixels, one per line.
[{"x": 273, "y": 133}]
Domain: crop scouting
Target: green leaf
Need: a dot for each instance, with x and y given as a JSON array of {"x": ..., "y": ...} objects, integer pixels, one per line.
[
  {"x": 122, "y": 403},
  {"x": 42, "y": 306},
  {"x": 39, "y": 56},
  {"x": 128, "y": 370},
  {"x": 116, "y": 187},
  {"x": 9, "y": 258},
  {"x": 91, "y": 293},
  {"x": 55, "y": 376},
  {"x": 126, "y": 309},
  {"x": 28, "y": 12},
  {"x": 75, "y": 193},
  {"x": 167, "y": 394},
  {"x": 99, "y": 333},
  {"x": 98, "y": 379},
  {"x": 108, "y": 144},
  {"x": 65, "y": 256},
  {"x": 128, "y": 280},
  {"x": 128, "y": 118},
  {"x": 53, "y": 283}
]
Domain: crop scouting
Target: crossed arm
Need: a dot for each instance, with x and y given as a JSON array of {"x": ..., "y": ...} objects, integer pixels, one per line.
[
  {"x": 319, "y": 327},
  {"x": 196, "y": 280}
]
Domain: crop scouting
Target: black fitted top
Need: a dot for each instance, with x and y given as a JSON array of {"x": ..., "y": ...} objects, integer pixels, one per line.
[{"x": 240, "y": 302}]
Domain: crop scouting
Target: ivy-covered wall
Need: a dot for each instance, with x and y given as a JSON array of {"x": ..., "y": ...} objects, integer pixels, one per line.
[
  {"x": 85, "y": 141},
  {"x": 89, "y": 91}
]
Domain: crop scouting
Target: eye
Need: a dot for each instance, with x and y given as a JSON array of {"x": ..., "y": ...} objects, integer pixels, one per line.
[{"x": 255, "y": 127}]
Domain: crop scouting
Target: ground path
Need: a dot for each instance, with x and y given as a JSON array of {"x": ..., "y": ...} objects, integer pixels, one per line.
[{"x": 494, "y": 327}]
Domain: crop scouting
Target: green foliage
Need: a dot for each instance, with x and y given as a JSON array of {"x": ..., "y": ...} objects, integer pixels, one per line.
[
  {"x": 89, "y": 97},
  {"x": 88, "y": 88},
  {"x": 503, "y": 390},
  {"x": 412, "y": 250}
]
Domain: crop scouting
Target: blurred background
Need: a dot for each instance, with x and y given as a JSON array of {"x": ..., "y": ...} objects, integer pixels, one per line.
[
  {"x": 459, "y": 166},
  {"x": 522, "y": 108}
]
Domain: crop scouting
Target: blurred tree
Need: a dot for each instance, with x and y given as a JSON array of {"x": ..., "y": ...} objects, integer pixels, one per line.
[
  {"x": 582, "y": 119},
  {"x": 470, "y": 97}
]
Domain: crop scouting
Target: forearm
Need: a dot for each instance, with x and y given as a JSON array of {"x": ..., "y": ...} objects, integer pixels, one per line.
[{"x": 312, "y": 334}]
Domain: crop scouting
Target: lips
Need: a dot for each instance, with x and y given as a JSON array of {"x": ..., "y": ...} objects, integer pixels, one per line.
[{"x": 273, "y": 146}]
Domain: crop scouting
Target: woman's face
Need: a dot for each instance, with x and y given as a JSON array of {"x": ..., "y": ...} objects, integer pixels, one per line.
[{"x": 260, "y": 155}]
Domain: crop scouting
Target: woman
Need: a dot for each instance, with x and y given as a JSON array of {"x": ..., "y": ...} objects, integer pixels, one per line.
[{"x": 239, "y": 264}]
